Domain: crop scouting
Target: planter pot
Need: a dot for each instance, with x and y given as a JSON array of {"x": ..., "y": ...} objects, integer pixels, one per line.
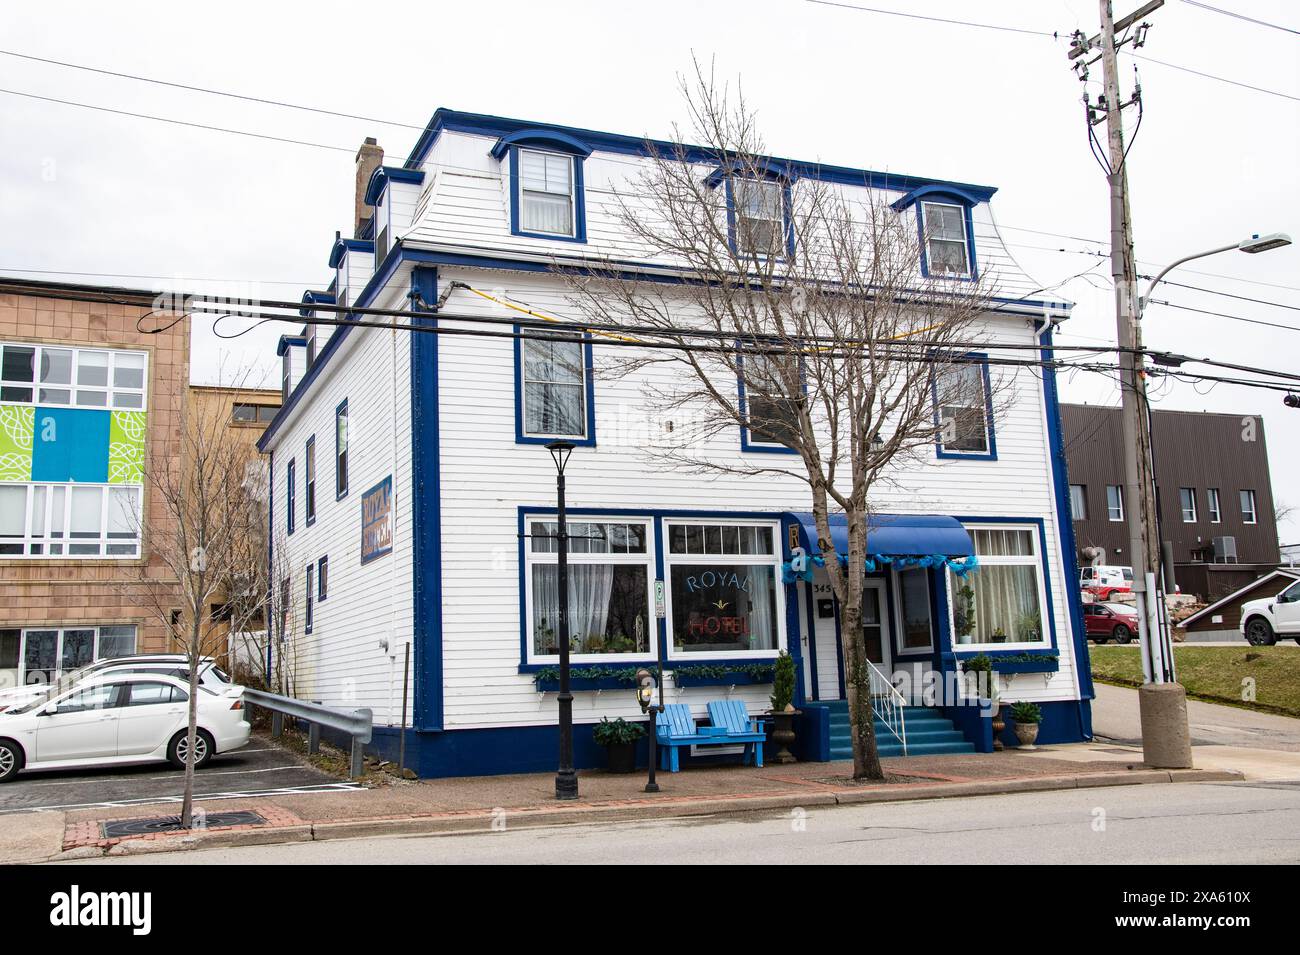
[
  {"x": 621, "y": 757},
  {"x": 1026, "y": 733},
  {"x": 999, "y": 724},
  {"x": 783, "y": 736}
]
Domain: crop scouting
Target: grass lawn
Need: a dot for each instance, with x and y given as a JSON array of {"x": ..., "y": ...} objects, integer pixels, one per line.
[{"x": 1215, "y": 674}]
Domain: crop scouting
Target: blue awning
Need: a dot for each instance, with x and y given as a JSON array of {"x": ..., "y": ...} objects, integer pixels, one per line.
[{"x": 898, "y": 535}]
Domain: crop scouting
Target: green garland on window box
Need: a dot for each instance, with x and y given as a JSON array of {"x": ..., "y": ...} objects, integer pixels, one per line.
[
  {"x": 611, "y": 676},
  {"x": 704, "y": 674}
]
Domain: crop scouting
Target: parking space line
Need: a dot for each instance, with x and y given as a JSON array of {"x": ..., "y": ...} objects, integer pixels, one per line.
[{"x": 175, "y": 798}]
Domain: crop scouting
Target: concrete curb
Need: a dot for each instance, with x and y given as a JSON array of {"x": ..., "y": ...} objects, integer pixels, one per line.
[{"x": 482, "y": 820}]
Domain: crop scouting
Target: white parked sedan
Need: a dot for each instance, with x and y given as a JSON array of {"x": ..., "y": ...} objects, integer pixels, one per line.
[
  {"x": 168, "y": 664},
  {"x": 114, "y": 719}
]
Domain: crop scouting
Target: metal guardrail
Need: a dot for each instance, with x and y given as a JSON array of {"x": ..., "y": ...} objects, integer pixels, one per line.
[{"x": 356, "y": 723}]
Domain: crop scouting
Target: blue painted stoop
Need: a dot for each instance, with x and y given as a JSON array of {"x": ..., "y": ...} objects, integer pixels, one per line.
[{"x": 928, "y": 733}]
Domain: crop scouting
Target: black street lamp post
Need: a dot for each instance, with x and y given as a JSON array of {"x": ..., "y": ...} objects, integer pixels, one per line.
[{"x": 566, "y": 778}]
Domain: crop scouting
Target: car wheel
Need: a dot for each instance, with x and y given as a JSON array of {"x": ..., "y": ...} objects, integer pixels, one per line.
[
  {"x": 177, "y": 752},
  {"x": 11, "y": 760},
  {"x": 1122, "y": 633},
  {"x": 1259, "y": 633},
  {"x": 1100, "y": 640}
]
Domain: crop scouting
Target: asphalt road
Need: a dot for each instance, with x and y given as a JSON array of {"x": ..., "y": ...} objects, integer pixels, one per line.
[
  {"x": 1115, "y": 716},
  {"x": 258, "y": 769},
  {"x": 1182, "y": 823}
]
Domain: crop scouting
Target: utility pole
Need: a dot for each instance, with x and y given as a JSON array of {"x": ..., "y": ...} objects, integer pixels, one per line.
[{"x": 1162, "y": 700}]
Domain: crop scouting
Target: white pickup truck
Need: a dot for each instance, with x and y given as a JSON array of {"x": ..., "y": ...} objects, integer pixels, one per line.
[{"x": 1266, "y": 619}]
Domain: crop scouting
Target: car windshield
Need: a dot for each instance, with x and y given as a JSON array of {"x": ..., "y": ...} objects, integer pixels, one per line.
[
  {"x": 41, "y": 699},
  {"x": 1125, "y": 609}
]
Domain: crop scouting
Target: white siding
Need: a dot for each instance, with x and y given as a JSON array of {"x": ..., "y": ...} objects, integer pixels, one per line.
[{"x": 342, "y": 662}]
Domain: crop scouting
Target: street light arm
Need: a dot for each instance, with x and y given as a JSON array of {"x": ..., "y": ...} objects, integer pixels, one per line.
[{"x": 1144, "y": 300}]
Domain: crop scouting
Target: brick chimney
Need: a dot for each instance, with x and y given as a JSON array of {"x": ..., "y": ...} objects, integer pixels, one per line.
[{"x": 369, "y": 158}]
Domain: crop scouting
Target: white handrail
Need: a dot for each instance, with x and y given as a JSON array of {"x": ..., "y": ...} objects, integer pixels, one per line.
[{"x": 888, "y": 704}]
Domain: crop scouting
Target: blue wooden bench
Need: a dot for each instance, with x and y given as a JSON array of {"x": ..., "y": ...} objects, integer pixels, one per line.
[
  {"x": 675, "y": 728},
  {"x": 734, "y": 717}
]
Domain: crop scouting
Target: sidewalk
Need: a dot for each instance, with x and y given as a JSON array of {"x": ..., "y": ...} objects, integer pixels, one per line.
[{"x": 486, "y": 802}]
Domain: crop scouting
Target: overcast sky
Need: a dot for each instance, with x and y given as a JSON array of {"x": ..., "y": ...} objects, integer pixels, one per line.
[{"x": 159, "y": 205}]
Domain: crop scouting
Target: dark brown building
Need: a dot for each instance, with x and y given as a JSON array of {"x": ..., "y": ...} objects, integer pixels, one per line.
[{"x": 1214, "y": 494}]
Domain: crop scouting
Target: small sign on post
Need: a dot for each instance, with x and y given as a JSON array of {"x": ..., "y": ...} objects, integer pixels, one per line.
[{"x": 660, "y": 609}]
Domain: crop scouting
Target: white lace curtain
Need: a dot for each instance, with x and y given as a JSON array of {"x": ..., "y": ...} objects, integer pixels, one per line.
[{"x": 590, "y": 586}]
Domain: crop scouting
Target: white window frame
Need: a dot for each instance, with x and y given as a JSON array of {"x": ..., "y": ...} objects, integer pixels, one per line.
[
  {"x": 984, "y": 408},
  {"x": 521, "y": 196},
  {"x": 1115, "y": 510},
  {"x": 780, "y": 222},
  {"x": 965, "y": 241},
  {"x": 1213, "y": 505},
  {"x": 647, "y": 559},
  {"x": 61, "y": 631},
  {"x": 1248, "y": 516},
  {"x": 1034, "y": 560},
  {"x": 110, "y": 391},
  {"x": 685, "y": 657},
  {"x": 524, "y": 381},
  {"x": 1186, "y": 496},
  {"x": 46, "y": 540},
  {"x": 900, "y": 649}
]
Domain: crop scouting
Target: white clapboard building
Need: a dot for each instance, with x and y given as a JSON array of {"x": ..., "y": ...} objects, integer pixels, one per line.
[{"x": 412, "y": 490}]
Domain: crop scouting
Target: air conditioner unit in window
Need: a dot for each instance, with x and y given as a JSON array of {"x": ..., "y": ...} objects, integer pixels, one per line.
[{"x": 1225, "y": 550}]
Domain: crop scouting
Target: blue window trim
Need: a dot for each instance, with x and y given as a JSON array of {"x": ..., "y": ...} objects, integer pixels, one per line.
[
  {"x": 322, "y": 578},
  {"x": 341, "y": 479},
  {"x": 290, "y": 497},
  {"x": 961, "y": 650},
  {"x": 589, "y": 441},
  {"x": 656, "y": 516},
  {"x": 746, "y": 444},
  {"x": 579, "y": 196},
  {"x": 309, "y": 480},
  {"x": 787, "y": 212},
  {"x": 947, "y": 199},
  {"x": 383, "y": 175},
  {"x": 992, "y": 453},
  {"x": 309, "y": 619}
]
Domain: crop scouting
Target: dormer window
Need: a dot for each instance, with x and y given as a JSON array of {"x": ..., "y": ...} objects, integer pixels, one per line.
[
  {"x": 759, "y": 211},
  {"x": 546, "y": 183},
  {"x": 546, "y": 196},
  {"x": 947, "y": 253}
]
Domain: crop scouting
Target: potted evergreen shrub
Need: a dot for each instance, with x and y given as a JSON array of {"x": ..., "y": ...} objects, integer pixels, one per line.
[
  {"x": 1027, "y": 716},
  {"x": 783, "y": 711},
  {"x": 619, "y": 739},
  {"x": 981, "y": 664}
]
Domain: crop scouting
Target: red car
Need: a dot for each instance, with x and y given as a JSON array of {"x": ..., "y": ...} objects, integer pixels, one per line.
[{"x": 1104, "y": 621}]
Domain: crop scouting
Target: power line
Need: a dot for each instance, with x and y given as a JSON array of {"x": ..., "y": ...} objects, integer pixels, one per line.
[
  {"x": 211, "y": 92},
  {"x": 179, "y": 122},
  {"x": 166, "y": 278},
  {"x": 1240, "y": 16},
  {"x": 917, "y": 16},
  {"x": 1240, "y": 298},
  {"x": 1235, "y": 318},
  {"x": 1212, "y": 76}
]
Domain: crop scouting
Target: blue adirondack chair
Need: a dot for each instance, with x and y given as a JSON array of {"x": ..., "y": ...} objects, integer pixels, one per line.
[
  {"x": 675, "y": 728},
  {"x": 734, "y": 717}
]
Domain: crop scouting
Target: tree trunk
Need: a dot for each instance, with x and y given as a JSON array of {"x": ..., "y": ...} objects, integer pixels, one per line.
[{"x": 187, "y": 800}]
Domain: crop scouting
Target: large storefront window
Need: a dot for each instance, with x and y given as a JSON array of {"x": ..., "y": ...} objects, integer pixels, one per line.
[
  {"x": 723, "y": 588},
  {"x": 42, "y": 654},
  {"x": 611, "y": 567},
  {"x": 1001, "y": 602}
]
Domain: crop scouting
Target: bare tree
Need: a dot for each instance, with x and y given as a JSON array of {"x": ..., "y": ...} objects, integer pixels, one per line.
[
  {"x": 204, "y": 534},
  {"x": 811, "y": 296}
]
